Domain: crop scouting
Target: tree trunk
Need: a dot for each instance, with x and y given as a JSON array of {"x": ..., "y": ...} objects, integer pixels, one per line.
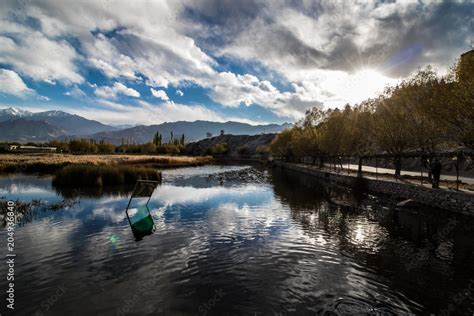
[
  {"x": 398, "y": 166},
  {"x": 359, "y": 169},
  {"x": 430, "y": 174},
  {"x": 321, "y": 162}
]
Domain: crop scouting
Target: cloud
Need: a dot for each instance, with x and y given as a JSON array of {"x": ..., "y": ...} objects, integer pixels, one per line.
[
  {"x": 280, "y": 55},
  {"x": 234, "y": 90},
  {"x": 11, "y": 83},
  {"x": 324, "y": 47},
  {"x": 103, "y": 55},
  {"x": 76, "y": 92},
  {"x": 147, "y": 113},
  {"x": 129, "y": 40},
  {"x": 33, "y": 55},
  {"x": 160, "y": 94},
  {"x": 179, "y": 93},
  {"x": 116, "y": 89},
  {"x": 337, "y": 35},
  {"x": 43, "y": 98}
]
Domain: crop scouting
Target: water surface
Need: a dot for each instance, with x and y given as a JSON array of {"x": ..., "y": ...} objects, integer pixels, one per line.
[{"x": 238, "y": 240}]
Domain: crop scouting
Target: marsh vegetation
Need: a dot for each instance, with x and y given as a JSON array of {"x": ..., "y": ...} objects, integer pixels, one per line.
[
  {"x": 98, "y": 176},
  {"x": 52, "y": 162}
]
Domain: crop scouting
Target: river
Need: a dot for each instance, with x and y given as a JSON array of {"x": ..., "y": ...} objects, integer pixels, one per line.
[{"x": 237, "y": 240}]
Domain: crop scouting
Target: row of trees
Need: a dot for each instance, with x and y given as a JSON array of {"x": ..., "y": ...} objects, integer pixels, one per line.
[
  {"x": 174, "y": 146},
  {"x": 158, "y": 140},
  {"x": 426, "y": 113},
  {"x": 90, "y": 146}
]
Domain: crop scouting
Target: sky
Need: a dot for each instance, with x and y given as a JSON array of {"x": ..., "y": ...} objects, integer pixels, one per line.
[{"x": 148, "y": 62}]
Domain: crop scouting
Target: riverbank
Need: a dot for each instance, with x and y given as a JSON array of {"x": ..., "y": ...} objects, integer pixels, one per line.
[
  {"x": 53, "y": 162},
  {"x": 459, "y": 202}
]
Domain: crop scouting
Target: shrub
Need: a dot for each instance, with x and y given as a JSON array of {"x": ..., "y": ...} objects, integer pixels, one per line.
[
  {"x": 148, "y": 148},
  {"x": 172, "y": 149},
  {"x": 243, "y": 150},
  {"x": 219, "y": 149},
  {"x": 105, "y": 148},
  {"x": 263, "y": 150}
]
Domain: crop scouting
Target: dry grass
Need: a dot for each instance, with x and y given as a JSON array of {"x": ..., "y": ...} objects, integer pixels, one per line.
[
  {"x": 104, "y": 175},
  {"x": 52, "y": 162}
]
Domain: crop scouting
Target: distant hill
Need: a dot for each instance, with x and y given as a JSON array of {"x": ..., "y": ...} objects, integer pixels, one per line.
[
  {"x": 43, "y": 126},
  {"x": 64, "y": 123},
  {"x": 12, "y": 113},
  {"x": 20, "y": 129},
  {"x": 72, "y": 124},
  {"x": 193, "y": 131},
  {"x": 234, "y": 144}
]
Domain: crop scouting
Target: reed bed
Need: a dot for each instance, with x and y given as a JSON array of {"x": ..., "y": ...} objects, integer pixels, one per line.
[
  {"x": 103, "y": 175},
  {"x": 53, "y": 162}
]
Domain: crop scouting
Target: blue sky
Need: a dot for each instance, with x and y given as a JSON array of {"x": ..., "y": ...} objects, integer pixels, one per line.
[{"x": 122, "y": 62}]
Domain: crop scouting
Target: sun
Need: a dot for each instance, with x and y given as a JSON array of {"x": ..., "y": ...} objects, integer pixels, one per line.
[
  {"x": 367, "y": 83},
  {"x": 355, "y": 87}
]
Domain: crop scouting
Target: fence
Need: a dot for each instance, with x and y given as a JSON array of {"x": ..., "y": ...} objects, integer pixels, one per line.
[{"x": 458, "y": 166}]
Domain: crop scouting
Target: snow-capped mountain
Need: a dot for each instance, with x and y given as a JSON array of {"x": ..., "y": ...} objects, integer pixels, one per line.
[
  {"x": 9, "y": 113},
  {"x": 20, "y": 125},
  {"x": 69, "y": 124}
]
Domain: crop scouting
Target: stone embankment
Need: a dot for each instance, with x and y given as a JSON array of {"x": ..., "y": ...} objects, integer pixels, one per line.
[{"x": 459, "y": 202}]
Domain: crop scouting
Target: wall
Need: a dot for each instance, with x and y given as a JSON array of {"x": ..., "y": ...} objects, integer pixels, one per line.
[{"x": 459, "y": 202}]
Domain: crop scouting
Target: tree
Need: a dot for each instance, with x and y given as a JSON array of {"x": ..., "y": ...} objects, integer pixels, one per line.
[
  {"x": 157, "y": 139},
  {"x": 424, "y": 112},
  {"x": 219, "y": 149},
  {"x": 172, "y": 149},
  {"x": 358, "y": 139},
  {"x": 463, "y": 70},
  {"x": 282, "y": 145},
  {"x": 416, "y": 97},
  {"x": 454, "y": 109},
  {"x": 105, "y": 148},
  {"x": 309, "y": 135},
  {"x": 389, "y": 127},
  {"x": 243, "y": 150},
  {"x": 60, "y": 146},
  {"x": 82, "y": 146},
  {"x": 334, "y": 131},
  {"x": 262, "y": 150},
  {"x": 148, "y": 148}
]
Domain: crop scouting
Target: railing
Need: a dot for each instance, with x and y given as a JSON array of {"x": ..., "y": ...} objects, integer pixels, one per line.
[{"x": 382, "y": 165}]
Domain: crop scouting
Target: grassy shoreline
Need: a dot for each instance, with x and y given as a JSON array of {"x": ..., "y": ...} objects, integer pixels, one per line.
[{"x": 53, "y": 162}]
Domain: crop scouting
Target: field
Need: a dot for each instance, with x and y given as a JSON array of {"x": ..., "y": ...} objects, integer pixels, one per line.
[{"x": 52, "y": 162}]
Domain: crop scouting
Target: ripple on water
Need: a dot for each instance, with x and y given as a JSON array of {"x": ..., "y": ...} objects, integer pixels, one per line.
[{"x": 270, "y": 249}]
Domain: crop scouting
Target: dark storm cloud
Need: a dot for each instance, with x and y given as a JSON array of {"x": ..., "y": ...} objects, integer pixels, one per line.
[
  {"x": 403, "y": 37},
  {"x": 284, "y": 56},
  {"x": 282, "y": 42},
  {"x": 438, "y": 37},
  {"x": 221, "y": 19}
]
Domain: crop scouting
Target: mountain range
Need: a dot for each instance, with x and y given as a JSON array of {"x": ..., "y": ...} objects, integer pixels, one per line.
[
  {"x": 49, "y": 124},
  {"x": 193, "y": 131},
  {"x": 24, "y": 126}
]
